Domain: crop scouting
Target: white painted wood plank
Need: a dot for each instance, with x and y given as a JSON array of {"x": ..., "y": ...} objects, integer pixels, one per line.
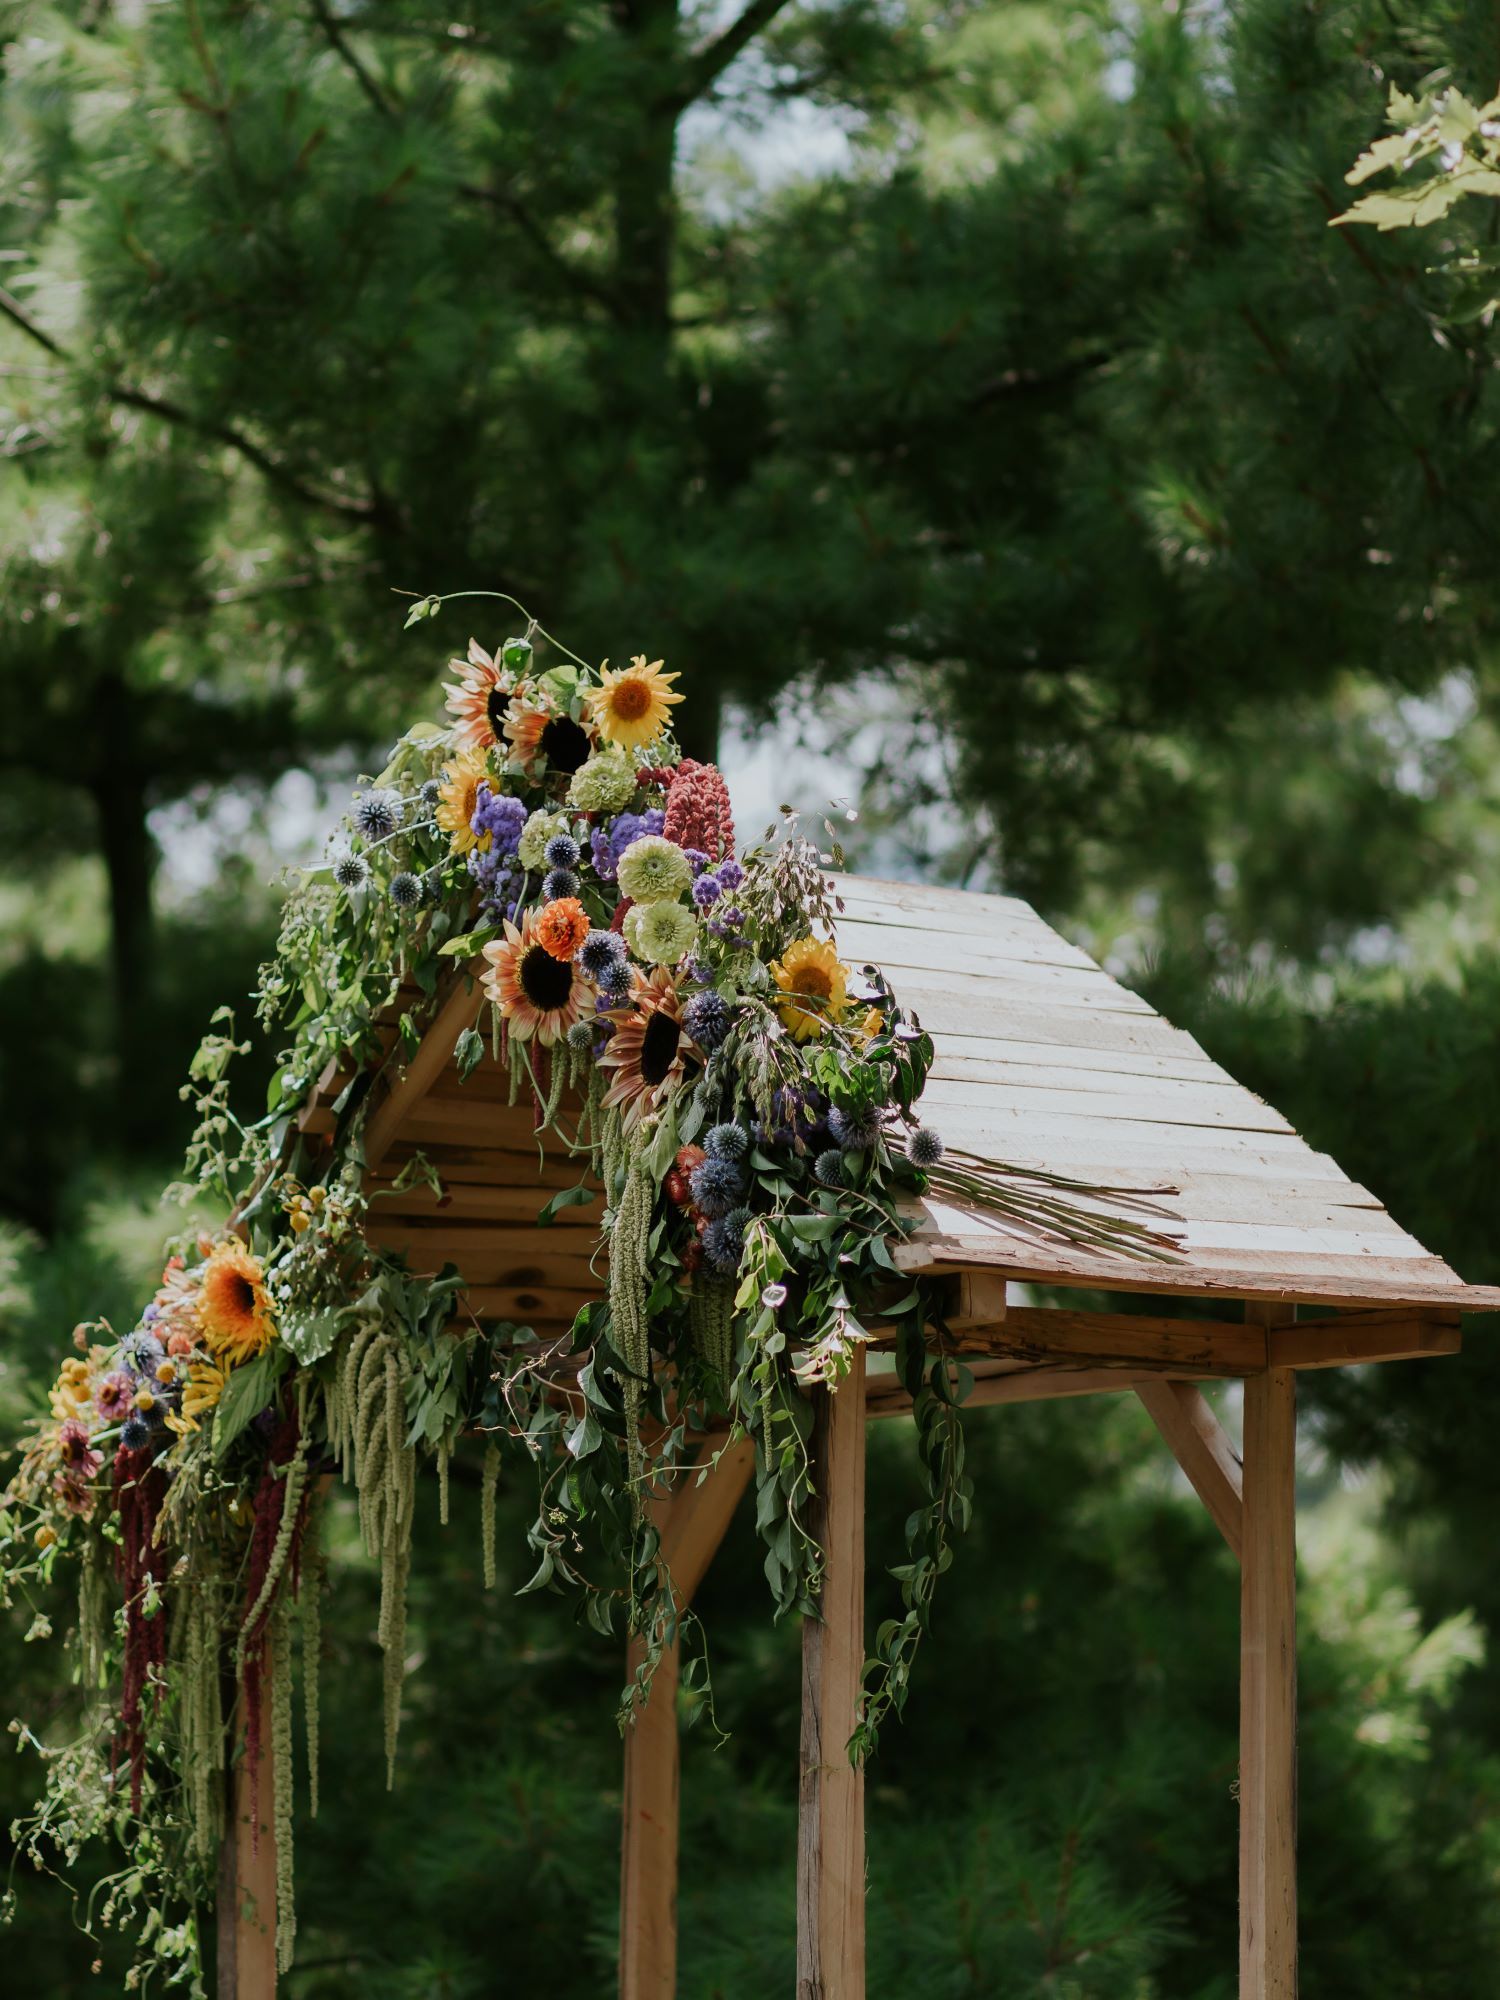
[
  {"x": 1234, "y": 1110},
  {"x": 1031, "y": 1060}
]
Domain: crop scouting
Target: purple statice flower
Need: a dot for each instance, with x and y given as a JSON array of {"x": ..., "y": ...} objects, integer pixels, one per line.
[
  {"x": 707, "y": 891},
  {"x": 601, "y": 854},
  {"x": 696, "y": 972},
  {"x": 152, "y": 1312},
  {"x": 500, "y": 816},
  {"x": 698, "y": 859},
  {"x": 727, "y": 922},
  {"x": 730, "y": 874}
]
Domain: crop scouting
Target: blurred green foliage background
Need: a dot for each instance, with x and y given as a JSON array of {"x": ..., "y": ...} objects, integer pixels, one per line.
[{"x": 976, "y": 405}]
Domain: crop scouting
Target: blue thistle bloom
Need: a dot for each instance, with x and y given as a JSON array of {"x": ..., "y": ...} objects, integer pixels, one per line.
[
  {"x": 707, "y": 891},
  {"x": 854, "y": 1131},
  {"x": 560, "y": 882},
  {"x": 599, "y": 951},
  {"x": 429, "y": 793},
  {"x": 615, "y": 979},
  {"x": 724, "y": 1242},
  {"x": 561, "y": 851},
  {"x": 717, "y": 1185},
  {"x": 727, "y": 1142},
  {"x": 707, "y": 1020},
  {"x": 135, "y": 1432},
  {"x": 924, "y": 1148},
  {"x": 828, "y": 1168},
  {"x": 351, "y": 871},
  {"x": 378, "y": 813},
  {"x": 581, "y": 1036},
  {"x": 406, "y": 890}
]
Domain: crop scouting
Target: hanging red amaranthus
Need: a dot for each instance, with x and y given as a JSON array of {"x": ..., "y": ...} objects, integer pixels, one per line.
[
  {"x": 698, "y": 810},
  {"x": 270, "y": 1548},
  {"x": 140, "y": 1488}
]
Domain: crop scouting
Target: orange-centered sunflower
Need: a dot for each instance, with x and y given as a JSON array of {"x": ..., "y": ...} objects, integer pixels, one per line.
[
  {"x": 811, "y": 969},
  {"x": 630, "y": 707},
  {"x": 235, "y": 1315},
  {"x": 480, "y": 699},
  {"x": 538, "y": 994},
  {"x": 649, "y": 1048}
]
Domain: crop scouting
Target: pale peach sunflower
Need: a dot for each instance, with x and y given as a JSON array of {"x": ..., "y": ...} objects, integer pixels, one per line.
[
  {"x": 535, "y": 731},
  {"x": 235, "y": 1315},
  {"x": 537, "y": 993},
  {"x": 479, "y": 700},
  {"x": 650, "y": 1048}
]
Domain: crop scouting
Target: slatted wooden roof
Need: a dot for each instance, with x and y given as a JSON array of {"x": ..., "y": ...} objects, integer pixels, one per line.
[{"x": 1043, "y": 1061}]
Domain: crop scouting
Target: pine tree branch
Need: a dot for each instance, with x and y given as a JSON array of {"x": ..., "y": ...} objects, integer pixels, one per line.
[
  {"x": 708, "y": 62},
  {"x": 509, "y": 204},
  {"x": 128, "y": 397},
  {"x": 342, "y": 48}
]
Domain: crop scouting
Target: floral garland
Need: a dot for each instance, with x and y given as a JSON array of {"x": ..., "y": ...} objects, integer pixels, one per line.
[{"x": 679, "y": 1013}]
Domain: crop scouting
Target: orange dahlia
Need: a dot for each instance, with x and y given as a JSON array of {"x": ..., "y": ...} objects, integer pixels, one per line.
[
  {"x": 537, "y": 992},
  {"x": 562, "y": 927},
  {"x": 649, "y": 1049},
  {"x": 630, "y": 706},
  {"x": 480, "y": 698},
  {"x": 235, "y": 1315}
]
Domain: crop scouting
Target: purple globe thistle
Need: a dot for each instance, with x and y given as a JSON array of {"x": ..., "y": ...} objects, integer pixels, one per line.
[
  {"x": 924, "y": 1148},
  {"x": 378, "y": 813},
  {"x": 707, "y": 1019},
  {"x": 724, "y": 1242},
  {"x": 135, "y": 1432},
  {"x": 707, "y": 891},
  {"x": 561, "y": 851},
  {"x": 351, "y": 871},
  {"x": 616, "y": 979},
  {"x": 599, "y": 951},
  {"x": 429, "y": 793},
  {"x": 559, "y": 882},
  {"x": 727, "y": 1142},
  {"x": 500, "y": 816},
  {"x": 730, "y": 873},
  {"x": 828, "y": 1168},
  {"x": 855, "y": 1130},
  {"x": 405, "y": 890},
  {"x": 717, "y": 1185},
  {"x": 581, "y": 1036}
]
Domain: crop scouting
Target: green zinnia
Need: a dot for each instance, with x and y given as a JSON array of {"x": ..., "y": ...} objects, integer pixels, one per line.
[
  {"x": 661, "y": 933},
  {"x": 538, "y": 830},
  {"x": 605, "y": 784},
  {"x": 654, "y": 870}
]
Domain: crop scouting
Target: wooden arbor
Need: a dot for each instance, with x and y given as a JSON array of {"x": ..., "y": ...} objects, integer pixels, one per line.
[{"x": 1043, "y": 1061}]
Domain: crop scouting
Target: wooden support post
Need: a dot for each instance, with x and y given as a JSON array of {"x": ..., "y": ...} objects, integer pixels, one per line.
[
  {"x": 831, "y": 1833},
  {"x": 691, "y": 1524},
  {"x": 247, "y": 1893},
  {"x": 1268, "y": 1684},
  {"x": 1181, "y": 1413}
]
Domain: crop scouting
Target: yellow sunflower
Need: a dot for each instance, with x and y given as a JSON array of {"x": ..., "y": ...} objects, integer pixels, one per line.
[
  {"x": 537, "y": 993},
  {"x": 630, "y": 707},
  {"x": 456, "y": 796},
  {"x": 480, "y": 699},
  {"x": 649, "y": 1048},
  {"x": 235, "y": 1315},
  {"x": 811, "y": 969},
  {"x": 205, "y": 1385}
]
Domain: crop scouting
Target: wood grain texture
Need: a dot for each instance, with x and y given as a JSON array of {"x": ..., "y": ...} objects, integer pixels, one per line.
[
  {"x": 246, "y": 1950},
  {"x": 1268, "y": 1686},
  {"x": 1201, "y": 1447},
  {"x": 831, "y": 1794},
  {"x": 691, "y": 1522},
  {"x": 404, "y": 1089}
]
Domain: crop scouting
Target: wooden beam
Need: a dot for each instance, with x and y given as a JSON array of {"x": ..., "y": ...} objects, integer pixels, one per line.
[
  {"x": 1048, "y": 1333},
  {"x": 1201, "y": 1448},
  {"x": 1268, "y": 1686},
  {"x": 997, "y": 1382},
  {"x": 433, "y": 1052},
  {"x": 1361, "y": 1337},
  {"x": 246, "y": 1908},
  {"x": 691, "y": 1524},
  {"x": 831, "y": 1829}
]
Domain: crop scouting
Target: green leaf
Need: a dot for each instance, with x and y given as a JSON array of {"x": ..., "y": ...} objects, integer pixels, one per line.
[
  {"x": 587, "y": 1436},
  {"x": 573, "y": 1197},
  {"x": 246, "y": 1394},
  {"x": 310, "y": 1339},
  {"x": 468, "y": 1053},
  {"x": 469, "y": 944}
]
